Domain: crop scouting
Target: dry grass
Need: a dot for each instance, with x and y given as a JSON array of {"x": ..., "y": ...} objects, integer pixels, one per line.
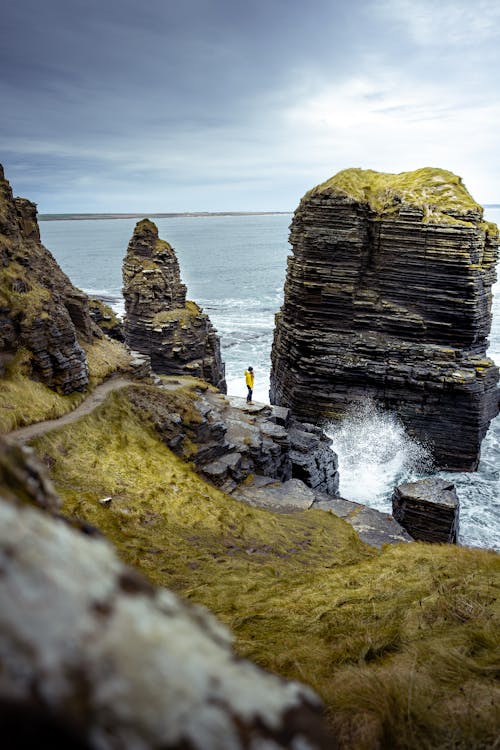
[
  {"x": 24, "y": 401},
  {"x": 401, "y": 644}
]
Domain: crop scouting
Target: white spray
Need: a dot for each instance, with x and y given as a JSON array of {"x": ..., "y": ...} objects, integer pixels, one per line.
[{"x": 375, "y": 454}]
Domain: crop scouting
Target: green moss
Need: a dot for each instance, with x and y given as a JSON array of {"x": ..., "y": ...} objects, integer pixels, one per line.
[
  {"x": 441, "y": 195},
  {"x": 400, "y": 643}
]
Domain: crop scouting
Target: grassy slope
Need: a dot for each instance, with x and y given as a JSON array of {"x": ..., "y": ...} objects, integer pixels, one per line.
[
  {"x": 24, "y": 401},
  {"x": 400, "y": 643}
]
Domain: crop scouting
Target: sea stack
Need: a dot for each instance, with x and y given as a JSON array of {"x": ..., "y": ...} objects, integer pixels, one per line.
[
  {"x": 159, "y": 322},
  {"x": 388, "y": 297},
  {"x": 43, "y": 317}
]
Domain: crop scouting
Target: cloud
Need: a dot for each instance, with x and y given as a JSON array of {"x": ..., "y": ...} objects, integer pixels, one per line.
[{"x": 212, "y": 104}]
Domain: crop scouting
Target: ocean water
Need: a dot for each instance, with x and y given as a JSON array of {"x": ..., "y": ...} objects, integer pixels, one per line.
[{"x": 235, "y": 267}]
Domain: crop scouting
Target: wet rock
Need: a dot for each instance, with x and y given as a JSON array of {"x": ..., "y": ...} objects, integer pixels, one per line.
[
  {"x": 93, "y": 656},
  {"x": 388, "y": 297},
  {"x": 159, "y": 322},
  {"x": 428, "y": 509}
]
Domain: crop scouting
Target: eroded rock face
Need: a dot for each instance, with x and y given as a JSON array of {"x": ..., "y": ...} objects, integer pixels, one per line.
[
  {"x": 159, "y": 322},
  {"x": 93, "y": 656},
  {"x": 40, "y": 310},
  {"x": 388, "y": 296}
]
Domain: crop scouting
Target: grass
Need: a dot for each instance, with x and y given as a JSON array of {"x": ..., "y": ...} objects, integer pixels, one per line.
[
  {"x": 24, "y": 401},
  {"x": 440, "y": 194},
  {"x": 401, "y": 643}
]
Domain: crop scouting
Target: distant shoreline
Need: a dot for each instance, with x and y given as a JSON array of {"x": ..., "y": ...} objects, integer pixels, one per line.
[{"x": 191, "y": 214}]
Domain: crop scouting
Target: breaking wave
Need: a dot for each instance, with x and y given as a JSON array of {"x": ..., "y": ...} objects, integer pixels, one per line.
[{"x": 375, "y": 454}]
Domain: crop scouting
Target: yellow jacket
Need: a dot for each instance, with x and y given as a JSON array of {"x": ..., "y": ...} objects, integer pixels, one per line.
[{"x": 249, "y": 378}]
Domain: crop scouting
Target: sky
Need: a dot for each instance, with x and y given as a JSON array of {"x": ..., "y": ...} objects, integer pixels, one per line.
[{"x": 232, "y": 105}]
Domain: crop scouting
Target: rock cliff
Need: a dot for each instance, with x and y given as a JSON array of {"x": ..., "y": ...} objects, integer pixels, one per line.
[
  {"x": 40, "y": 309},
  {"x": 159, "y": 322},
  {"x": 388, "y": 296}
]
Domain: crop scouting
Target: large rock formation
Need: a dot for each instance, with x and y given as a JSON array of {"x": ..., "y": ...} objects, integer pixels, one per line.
[
  {"x": 40, "y": 309},
  {"x": 93, "y": 656},
  {"x": 159, "y": 322},
  {"x": 388, "y": 296}
]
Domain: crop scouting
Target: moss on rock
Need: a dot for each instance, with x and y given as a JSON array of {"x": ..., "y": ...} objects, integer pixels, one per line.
[{"x": 439, "y": 194}]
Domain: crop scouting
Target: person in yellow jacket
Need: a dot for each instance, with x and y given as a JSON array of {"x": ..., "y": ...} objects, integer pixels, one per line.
[{"x": 249, "y": 378}]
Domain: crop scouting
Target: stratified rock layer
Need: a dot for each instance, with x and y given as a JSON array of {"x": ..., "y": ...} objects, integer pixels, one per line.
[
  {"x": 428, "y": 509},
  {"x": 388, "y": 296},
  {"x": 93, "y": 656},
  {"x": 159, "y": 322},
  {"x": 40, "y": 309}
]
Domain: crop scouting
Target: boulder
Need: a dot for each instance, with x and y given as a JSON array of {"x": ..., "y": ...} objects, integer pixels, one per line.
[
  {"x": 388, "y": 297},
  {"x": 428, "y": 509},
  {"x": 176, "y": 334}
]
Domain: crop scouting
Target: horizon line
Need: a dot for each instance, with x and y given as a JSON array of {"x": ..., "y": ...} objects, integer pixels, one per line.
[{"x": 171, "y": 215}]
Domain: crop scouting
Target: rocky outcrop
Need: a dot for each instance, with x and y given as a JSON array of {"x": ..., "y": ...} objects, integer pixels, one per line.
[
  {"x": 107, "y": 320},
  {"x": 159, "y": 322},
  {"x": 230, "y": 441},
  {"x": 93, "y": 656},
  {"x": 40, "y": 310},
  {"x": 388, "y": 296},
  {"x": 428, "y": 509}
]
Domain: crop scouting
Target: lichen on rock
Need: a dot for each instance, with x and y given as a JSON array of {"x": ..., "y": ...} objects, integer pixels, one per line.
[
  {"x": 91, "y": 646},
  {"x": 388, "y": 296}
]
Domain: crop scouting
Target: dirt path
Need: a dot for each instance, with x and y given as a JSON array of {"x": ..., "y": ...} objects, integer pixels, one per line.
[{"x": 24, "y": 434}]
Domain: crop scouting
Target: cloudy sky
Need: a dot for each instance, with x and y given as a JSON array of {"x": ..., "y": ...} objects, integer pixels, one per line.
[{"x": 206, "y": 105}]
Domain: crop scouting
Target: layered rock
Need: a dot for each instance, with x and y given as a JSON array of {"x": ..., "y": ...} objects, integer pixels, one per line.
[
  {"x": 93, "y": 656},
  {"x": 428, "y": 509},
  {"x": 230, "y": 441},
  {"x": 159, "y": 322},
  {"x": 40, "y": 309},
  {"x": 388, "y": 296}
]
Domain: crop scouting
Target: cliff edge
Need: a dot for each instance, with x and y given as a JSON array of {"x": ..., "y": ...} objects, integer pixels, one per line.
[
  {"x": 40, "y": 309},
  {"x": 388, "y": 296}
]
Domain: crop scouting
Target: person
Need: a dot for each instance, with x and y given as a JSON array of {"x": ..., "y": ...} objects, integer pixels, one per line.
[{"x": 249, "y": 378}]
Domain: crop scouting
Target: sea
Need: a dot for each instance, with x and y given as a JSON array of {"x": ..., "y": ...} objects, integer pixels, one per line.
[{"x": 234, "y": 266}]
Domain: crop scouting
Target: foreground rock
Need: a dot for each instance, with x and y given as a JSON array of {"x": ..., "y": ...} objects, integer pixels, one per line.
[
  {"x": 388, "y": 296},
  {"x": 159, "y": 322},
  {"x": 41, "y": 311},
  {"x": 428, "y": 510},
  {"x": 93, "y": 656}
]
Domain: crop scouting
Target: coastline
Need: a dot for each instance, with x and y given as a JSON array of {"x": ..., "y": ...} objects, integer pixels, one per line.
[{"x": 184, "y": 214}]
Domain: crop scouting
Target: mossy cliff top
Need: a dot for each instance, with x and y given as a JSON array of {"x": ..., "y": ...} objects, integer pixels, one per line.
[
  {"x": 145, "y": 240},
  {"x": 439, "y": 194}
]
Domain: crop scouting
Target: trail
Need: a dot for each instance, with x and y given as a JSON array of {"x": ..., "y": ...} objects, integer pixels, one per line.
[{"x": 25, "y": 434}]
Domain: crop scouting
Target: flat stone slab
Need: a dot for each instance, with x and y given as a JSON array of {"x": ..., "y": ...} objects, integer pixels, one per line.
[
  {"x": 254, "y": 408},
  {"x": 280, "y": 497},
  {"x": 372, "y": 526}
]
